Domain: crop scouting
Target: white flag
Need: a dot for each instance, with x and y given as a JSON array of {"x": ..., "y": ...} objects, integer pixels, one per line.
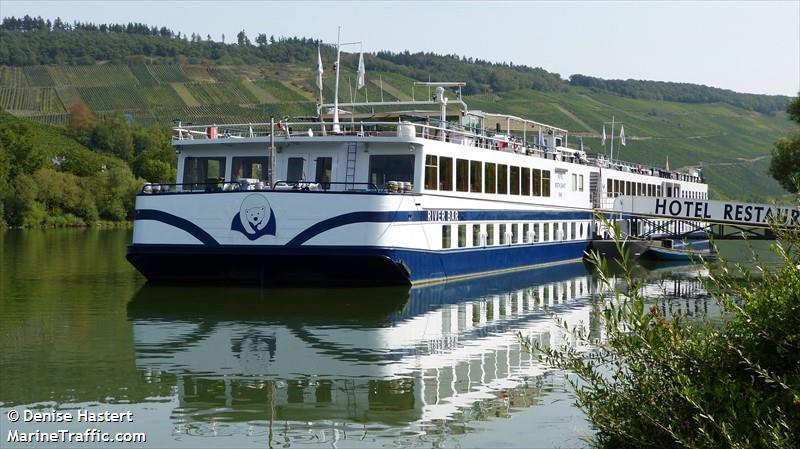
[
  {"x": 319, "y": 69},
  {"x": 603, "y": 140},
  {"x": 361, "y": 72},
  {"x": 622, "y": 135}
]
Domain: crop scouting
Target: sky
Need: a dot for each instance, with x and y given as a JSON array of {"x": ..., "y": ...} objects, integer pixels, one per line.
[{"x": 743, "y": 46}]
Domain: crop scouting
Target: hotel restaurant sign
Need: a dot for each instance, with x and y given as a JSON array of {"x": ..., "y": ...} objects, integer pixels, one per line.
[{"x": 710, "y": 211}]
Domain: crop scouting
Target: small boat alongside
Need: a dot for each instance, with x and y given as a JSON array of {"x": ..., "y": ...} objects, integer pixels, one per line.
[{"x": 677, "y": 250}]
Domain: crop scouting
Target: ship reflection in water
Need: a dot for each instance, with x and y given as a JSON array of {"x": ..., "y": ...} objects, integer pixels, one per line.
[
  {"x": 384, "y": 357},
  {"x": 363, "y": 365}
]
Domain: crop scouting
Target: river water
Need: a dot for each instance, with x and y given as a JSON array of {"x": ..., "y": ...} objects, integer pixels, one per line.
[{"x": 437, "y": 366}]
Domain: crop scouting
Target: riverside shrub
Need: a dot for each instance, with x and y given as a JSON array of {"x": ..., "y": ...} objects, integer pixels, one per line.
[{"x": 679, "y": 382}]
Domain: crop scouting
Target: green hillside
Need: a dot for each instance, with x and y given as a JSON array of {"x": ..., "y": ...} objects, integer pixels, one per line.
[{"x": 729, "y": 134}]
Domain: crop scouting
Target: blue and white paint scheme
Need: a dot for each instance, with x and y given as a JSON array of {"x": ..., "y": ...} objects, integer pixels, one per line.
[{"x": 394, "y": 198}]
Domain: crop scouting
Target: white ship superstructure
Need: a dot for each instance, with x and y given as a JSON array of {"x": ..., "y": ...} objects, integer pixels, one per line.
[{"x": 380, "y": 198}]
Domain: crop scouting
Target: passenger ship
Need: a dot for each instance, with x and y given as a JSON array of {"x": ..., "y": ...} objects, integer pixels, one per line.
[{"x": 431, "y": 193}]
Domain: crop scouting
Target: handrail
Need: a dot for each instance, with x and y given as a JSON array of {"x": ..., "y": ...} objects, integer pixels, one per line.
[
  {"x": 324, "y": 186},
  {"x": 152, "y": 188}
]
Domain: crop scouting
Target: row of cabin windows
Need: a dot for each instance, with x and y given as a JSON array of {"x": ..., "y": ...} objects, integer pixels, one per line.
[
  {"x": 384, "y": 168},
  {"x": 511, "y": 233},
  {"x": 197, "y": 170},
  {"x": 616, "y": 187},
  {"x": 484, "y": 177}
]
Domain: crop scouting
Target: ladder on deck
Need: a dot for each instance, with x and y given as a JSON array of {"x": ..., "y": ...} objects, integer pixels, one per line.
[{"x": 350, "y": 168}]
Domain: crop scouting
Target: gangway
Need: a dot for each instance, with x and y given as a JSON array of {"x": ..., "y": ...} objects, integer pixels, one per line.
[{"x": 647, "y": 217}]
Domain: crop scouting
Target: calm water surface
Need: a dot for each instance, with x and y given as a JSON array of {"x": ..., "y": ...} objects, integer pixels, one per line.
[{"x": 438, "y": 366}]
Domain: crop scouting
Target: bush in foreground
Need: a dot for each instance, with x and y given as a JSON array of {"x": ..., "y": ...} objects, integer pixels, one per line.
[{"x": 679, "y": 382}]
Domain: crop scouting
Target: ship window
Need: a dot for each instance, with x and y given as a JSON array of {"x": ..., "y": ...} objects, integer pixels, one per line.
[
  {"x": 431, "y": 171},
  {"x": 574, "y": 182},
  {"x": 525, "y": 233},
  {"x": 445, "y": 236},
  {"x": 502, "y": 179},
  {"x": 580, "y": 183},
  {"x": 250, "y": 167},
  {"x": 610, "y": 187},
  {"x": 616, "y": 187},
  {"x": 545, "y": 182},
  {"x": 514, "y": 178},
  {"x": 545, "y": 232},
  {"x": 490, "y": 180},
  {"x": 564, "y": 235},
  {"x": 462, "y": 175},
  {"x": 476, "y": 235},
  {"x": 537, "y": 182},
  {"x": 535, "y": 232},
  {"x": 294, "y": 169},
  {"x": 324, "y": 169},
  {"x": 572, "y": 234},
  {"x": 203, "y": 169},
  {"x": 526, "y": 181},
  {"x": 446, "y": 173},
  {"x": 514, "y": 233},
  {"x": 489, "y": 234},
  {"x": 399, "y": 167},
  {"x": 475, "y": 175},
  {"x": 502, "y": 234},
  {"x": 462, "y": 236}
]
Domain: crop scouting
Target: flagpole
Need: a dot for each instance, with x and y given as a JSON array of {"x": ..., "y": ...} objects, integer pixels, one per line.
[
  {"x": 336, "y": 88},
  {"x": 612, "y": 138}
]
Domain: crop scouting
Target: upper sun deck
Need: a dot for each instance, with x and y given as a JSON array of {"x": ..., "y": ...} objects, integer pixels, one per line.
[{"x": 525, "y": 137}]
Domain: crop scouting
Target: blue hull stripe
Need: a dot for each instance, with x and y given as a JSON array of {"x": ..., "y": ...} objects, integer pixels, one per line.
[
  {"x": 178, "y": 222},
  {"x": 365, "y": 217},
  {"x": 418, "y": 216},
  {"x": 342, "y": 220}
]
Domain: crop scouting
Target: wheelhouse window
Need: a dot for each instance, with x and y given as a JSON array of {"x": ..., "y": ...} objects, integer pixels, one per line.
[
  {"x": 250, "y": 167},
  {"x": 545, "y": 182},
  {"x": 446, "y": 173},
  {"x": 502, "y": 179},
  {"x": 385, "y": 168},
  {"x": 203, "y": 169},
  {"x": 490, "y": 180},
  {"x": 475, "y": 176},
  {"x": 431, "y": 172},
  {"x": 324, "y": 169},
  {"x": 294, "y": 169},
  {"x": 514, "y": 180},
  {"x": 462, "y": 175},
  {"x": 526, "y": 181}
]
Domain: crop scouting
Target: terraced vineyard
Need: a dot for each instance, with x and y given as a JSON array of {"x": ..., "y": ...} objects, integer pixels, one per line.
[
  {"x": 92, "y": 75},
  {"x": 723, "y": 139}
]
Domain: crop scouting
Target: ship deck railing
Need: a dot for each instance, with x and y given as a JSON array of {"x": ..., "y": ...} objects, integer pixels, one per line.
[
  {"x": 244, "y": 185},
  {"x": 445, "y": 131}
]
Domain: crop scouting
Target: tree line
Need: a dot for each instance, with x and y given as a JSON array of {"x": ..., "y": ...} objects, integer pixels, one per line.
[
  {"x": 683, "y": 93},
  {"x": 86, "y": 173}
]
